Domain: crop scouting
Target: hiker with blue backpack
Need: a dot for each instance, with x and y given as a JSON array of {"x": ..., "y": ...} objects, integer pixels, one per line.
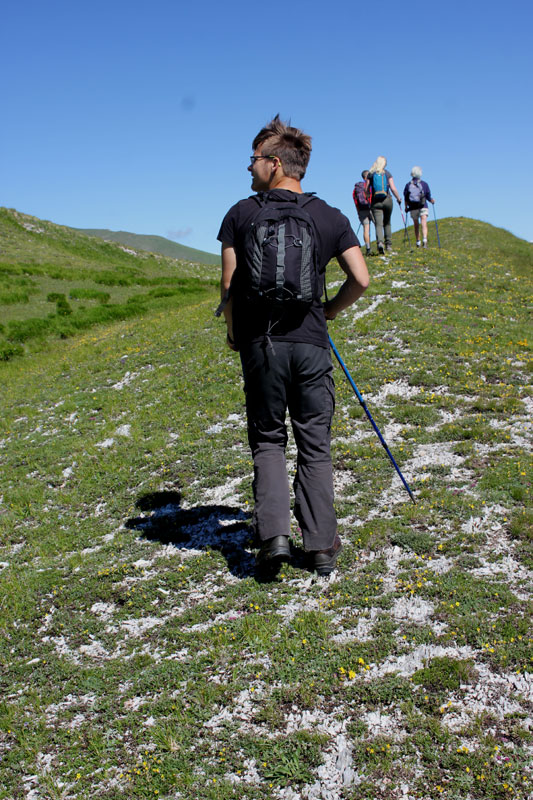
[
  {"x": 379, "y": 184},
  {"x": 416, "y": 194},
  {"x": 362, "y": 204},
  {"x": 275, "y": 248}
]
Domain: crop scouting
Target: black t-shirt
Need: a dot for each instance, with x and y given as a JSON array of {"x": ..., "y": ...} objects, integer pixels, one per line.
[{"x": 335, "y": 235}]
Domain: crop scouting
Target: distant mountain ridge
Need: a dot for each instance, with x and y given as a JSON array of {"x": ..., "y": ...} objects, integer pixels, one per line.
[{"x": 154, "y": 244}]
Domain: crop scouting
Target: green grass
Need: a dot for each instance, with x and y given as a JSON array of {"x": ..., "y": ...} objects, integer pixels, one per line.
[
  {"x": 140, "y": 654},
  {"x": 52, "y": 279}
]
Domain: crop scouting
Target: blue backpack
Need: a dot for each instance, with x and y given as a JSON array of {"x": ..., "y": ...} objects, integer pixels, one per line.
[{"x": 380, "y": 185}]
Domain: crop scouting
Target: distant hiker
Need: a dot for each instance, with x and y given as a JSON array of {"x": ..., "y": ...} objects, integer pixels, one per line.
[
  {"x": 416, "y": 194},
  {"x": 275, "y": 248},
  {"x": 380, "y": 183},
  {"x": 362, "y": 204}
]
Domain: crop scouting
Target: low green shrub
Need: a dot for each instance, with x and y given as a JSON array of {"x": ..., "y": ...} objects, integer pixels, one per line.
[
  {"x": 9, "y": 298},
  {"x": 444, "y": 673},
  {"x": 33, "y": 328},
  {"x": 8, "y": 350}
]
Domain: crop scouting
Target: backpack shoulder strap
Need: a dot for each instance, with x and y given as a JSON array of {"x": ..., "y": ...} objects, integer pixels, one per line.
[
  {"x": 259, "y": 199},
  {"x": 305, "y": 198}
]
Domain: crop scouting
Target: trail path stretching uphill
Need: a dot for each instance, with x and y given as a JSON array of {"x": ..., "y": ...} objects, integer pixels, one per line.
[{"x": 143, "y": 657}]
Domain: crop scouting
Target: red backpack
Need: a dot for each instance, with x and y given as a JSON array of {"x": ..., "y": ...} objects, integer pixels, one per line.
[{"x": 359, "y": 196}]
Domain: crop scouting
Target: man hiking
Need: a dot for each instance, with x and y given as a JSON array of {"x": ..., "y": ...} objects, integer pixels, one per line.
[
  {"x": 275, "y": 248},
  {"x": 362, "y": 204},
  {"x": 416, "y": 194}
]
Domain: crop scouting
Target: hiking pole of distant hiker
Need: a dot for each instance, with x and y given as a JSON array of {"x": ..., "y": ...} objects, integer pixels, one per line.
[
  {"x": 405, "y": 226},
  {"x": 436, "y": 226},
  {"x": 358, "y": 229},
  {"x": 367, "y": 412},
  {"x": 373, "y": 221}
]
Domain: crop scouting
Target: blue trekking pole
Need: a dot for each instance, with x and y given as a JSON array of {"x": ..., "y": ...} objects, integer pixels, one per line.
[
  {"x": 436, "y": 226},
  {"x": 367, "y": 412}
]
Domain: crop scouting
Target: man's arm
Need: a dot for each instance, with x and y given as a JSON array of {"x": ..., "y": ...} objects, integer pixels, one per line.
[
  {"x": 229, "y": 265},
  {"x": 356, "y": 283}
]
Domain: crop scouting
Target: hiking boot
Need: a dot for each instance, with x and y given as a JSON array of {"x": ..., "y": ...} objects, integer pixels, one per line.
[
  {"x": 381, "y": 249},
  {"x": 424, "y": 244},
  {"x": 274, "y": 550},
  {"x": 390, "y": 250},
  {"x": 419, "y": 244},
  {"x": 324, "y": 561}
]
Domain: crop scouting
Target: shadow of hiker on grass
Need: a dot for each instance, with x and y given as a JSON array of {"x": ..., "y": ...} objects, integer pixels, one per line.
[{"x": 214, "y": 527}]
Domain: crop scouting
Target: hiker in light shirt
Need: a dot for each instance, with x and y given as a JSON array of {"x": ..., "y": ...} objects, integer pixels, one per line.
[{"x": 416, "y": 194}]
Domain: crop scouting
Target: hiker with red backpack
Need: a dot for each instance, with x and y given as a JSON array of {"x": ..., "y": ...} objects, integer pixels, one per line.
[
  {"x": 379, "y": 184},
  {"x": 276, "y": 246},
  {"x": 416, "y": 194},
  {"x": 362, "y": 204}
]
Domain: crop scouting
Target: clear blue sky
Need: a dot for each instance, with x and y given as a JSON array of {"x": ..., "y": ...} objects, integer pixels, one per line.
[{"x": 139, "y": 116}]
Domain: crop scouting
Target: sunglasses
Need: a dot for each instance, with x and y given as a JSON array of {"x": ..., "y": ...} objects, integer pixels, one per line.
[{"x": 253, "y": 159}]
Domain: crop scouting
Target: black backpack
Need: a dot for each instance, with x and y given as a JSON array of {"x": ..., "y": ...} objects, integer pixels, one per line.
[{"x": 281, "y": 258}]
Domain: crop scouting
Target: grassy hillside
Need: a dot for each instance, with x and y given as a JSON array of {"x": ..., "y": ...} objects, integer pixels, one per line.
[
  {"x": 141, "y": 655},
  {"x": 155, "y": 244},
  {"x": 56, "y": 282}
]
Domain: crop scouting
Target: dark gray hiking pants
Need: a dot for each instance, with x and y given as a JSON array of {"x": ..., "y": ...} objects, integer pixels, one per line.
[
  {"x": 297, "y": 377},
  {"x": 382, "y": 212}
]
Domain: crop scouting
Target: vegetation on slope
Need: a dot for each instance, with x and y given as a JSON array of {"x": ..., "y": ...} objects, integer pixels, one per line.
[
  {"x": 141, "y": 655},
  {"x": 55, "y": 282},
  {"x": 155, "y": 244}
]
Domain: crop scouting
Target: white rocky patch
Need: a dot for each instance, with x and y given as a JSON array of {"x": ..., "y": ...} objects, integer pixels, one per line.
[
  {"x": 126, "y": 380},
  {"x": 407, "y": 664},
  {"x": 388, "y": 723},
  {"x": 135, "y": 628},
  {"x": 226, "y": 493},
  {"x": 371, "y": 308},
  {"x": 428, "y": 455},
  {"x": 446, "y": 418},
  {"x": 288, "y": 611},
  {"x": 397, "y": 388},
  {"x": 342, "y": 479},
  {"x": 414, "y": 608},
  {"x": 519, "y": 432},
  {"x": 94, "y": 650},
  {"x": 123, "y": 430},
  {"x": 106, "y": 443},
  {"x": 392, "y": 432},
  {"x": 497, "y": 694},
  {"x": 103, "y": 610},
  {"x": 491, "y": 520},
  {"x": 362, "y": 631}
]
